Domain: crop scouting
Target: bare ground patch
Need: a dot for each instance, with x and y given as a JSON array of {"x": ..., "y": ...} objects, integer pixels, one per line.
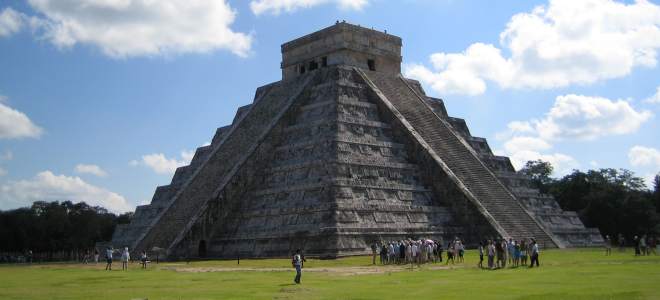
[{"x": 342, "y": 271}]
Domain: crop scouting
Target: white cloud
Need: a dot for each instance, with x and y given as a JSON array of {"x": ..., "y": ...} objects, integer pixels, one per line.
[
  {"x": 655, "y": 99},
  {"x": 47, "y": 186},
  {"x": 11, "y": 22},
  {"x": 90, "y": 169},
  {"x": 125, "y": 28},
  {"x": 160, "y": 164},
  {"x": 521, "y": 143},
  {"x": 276, "y": 7},
  {"x": 587, "y": 118},
  {"x": 563, "y": 43},
  {"x": 562, "y": 163},
  {"x": 641, "y": 156},
  {"x": 573, "y": 118},
  {"x": 3, "y": 172},
  {"x": 15, "y": 124},
  {"x": 578, "y": 117}
]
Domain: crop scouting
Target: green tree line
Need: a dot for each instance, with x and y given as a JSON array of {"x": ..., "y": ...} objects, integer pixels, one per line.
[
  {"x": 65, "y": 228},
  {"x": 614, "y": 201}
]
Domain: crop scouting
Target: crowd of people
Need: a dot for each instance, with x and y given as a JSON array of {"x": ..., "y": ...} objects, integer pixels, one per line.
[
  {"x": 498, "y": 252},
  {"x": 125, "y": 258},
  {"x": 404, "y": 252},
  {"x": 643, "y": 245},
  {"x": 514, "y": 253}
]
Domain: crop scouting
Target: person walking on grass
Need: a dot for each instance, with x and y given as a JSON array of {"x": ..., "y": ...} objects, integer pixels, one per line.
[
  {"x": 481, "y": 255},
  {"x": 524, "y": 252},
  {"x": 608, "y": 245},
  {"x": 642, "y": 245},
  {"x": 516, "y": 254},
  {"x": 637, "y": 246},
  {"x": 450, "y": 253},
  {"x": 535, "y": 254},
  {"x": 144, "y": 259},
  {"x": 125, "y": 257},
  {"x": 297, "y": 262},
  {"x": 439, "y": 243},
  {"x": 108, "y": 258},
  {"x": 374, "y": 252},
  {"x": 491, "y": 254},
  {"x": 86, "y": 257},
  {"x": 461, "y": 251}
]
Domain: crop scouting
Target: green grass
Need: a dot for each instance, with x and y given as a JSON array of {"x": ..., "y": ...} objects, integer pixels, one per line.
[{"x": 564, "y": 274}]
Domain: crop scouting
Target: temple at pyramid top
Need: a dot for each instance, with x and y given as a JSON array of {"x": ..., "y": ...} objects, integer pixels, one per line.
[{"x": 342, "y": 44}]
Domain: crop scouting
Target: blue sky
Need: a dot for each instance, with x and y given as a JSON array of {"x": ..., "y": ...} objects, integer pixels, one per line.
[{"x": 101, "y": 100}]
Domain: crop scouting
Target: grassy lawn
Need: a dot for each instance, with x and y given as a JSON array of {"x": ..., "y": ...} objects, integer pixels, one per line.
[{"x": 564, "y": 274}]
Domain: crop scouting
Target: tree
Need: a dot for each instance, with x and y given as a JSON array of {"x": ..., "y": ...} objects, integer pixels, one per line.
[
  {"x": 615, "y": 201},
  {"x": 48, "y": 227},
  {"x": 540, "y": 172}
]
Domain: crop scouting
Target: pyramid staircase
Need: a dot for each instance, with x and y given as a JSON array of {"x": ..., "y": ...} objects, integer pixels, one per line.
[{"x": 459, "y": 160}]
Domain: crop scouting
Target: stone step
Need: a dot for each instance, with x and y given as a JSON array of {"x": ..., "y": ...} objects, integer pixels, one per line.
[{"x": 507, "y": 212}]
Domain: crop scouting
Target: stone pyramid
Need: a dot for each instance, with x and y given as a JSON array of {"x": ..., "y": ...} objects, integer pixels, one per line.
[{"x": 343, "y": 151}]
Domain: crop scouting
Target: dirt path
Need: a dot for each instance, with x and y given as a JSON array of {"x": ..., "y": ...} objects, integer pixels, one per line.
[{"x": 344, "y": 271}]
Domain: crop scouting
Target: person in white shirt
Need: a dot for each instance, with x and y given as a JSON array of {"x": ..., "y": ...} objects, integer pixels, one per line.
[
  {"x": 535, "y": 254},
  {"x": 414, "y": 252},
  {"x": 125, "y": 257},
  {"x": 296, "y": 262}
]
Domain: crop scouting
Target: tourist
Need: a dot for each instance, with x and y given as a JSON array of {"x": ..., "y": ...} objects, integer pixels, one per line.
[
  {"x": 450, "y": 253},
  {"x": 642, "y": 245},
  {"x": 143, "y": 259},
  {"x": 415, "y": 253},
  {"x": 408, "y": 252},
  {"x": 622, "y": 243},
  {"x": 491, "y": 254},
  {"x": 108, "y": 257},
  {"x": 439, "y": 250},
  {"x": 96, "y": 256},
  {"x": 460, "y": 249},
  {"x": 481, "y": 255},
  {"x": 608, "y": 245},
  {"x": 125, "y": 257},
  {"x": 510, "y": 250},
  {"x": 374, "y": 251},
  {"x": 524, "y": 252},
  {"x": 383, "y": 254},
  {"x": 297, "y": 262},
  {"x": 86, "y": 257},
  {"x": 402, "y": 252},
  {"x": 29, "y": 256},
  {"x": 535, "y": 254},
  {"x": 638, "y": 251},
  {"x": 516, "y": 254},
  {"x": 430, "y": 251}
]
